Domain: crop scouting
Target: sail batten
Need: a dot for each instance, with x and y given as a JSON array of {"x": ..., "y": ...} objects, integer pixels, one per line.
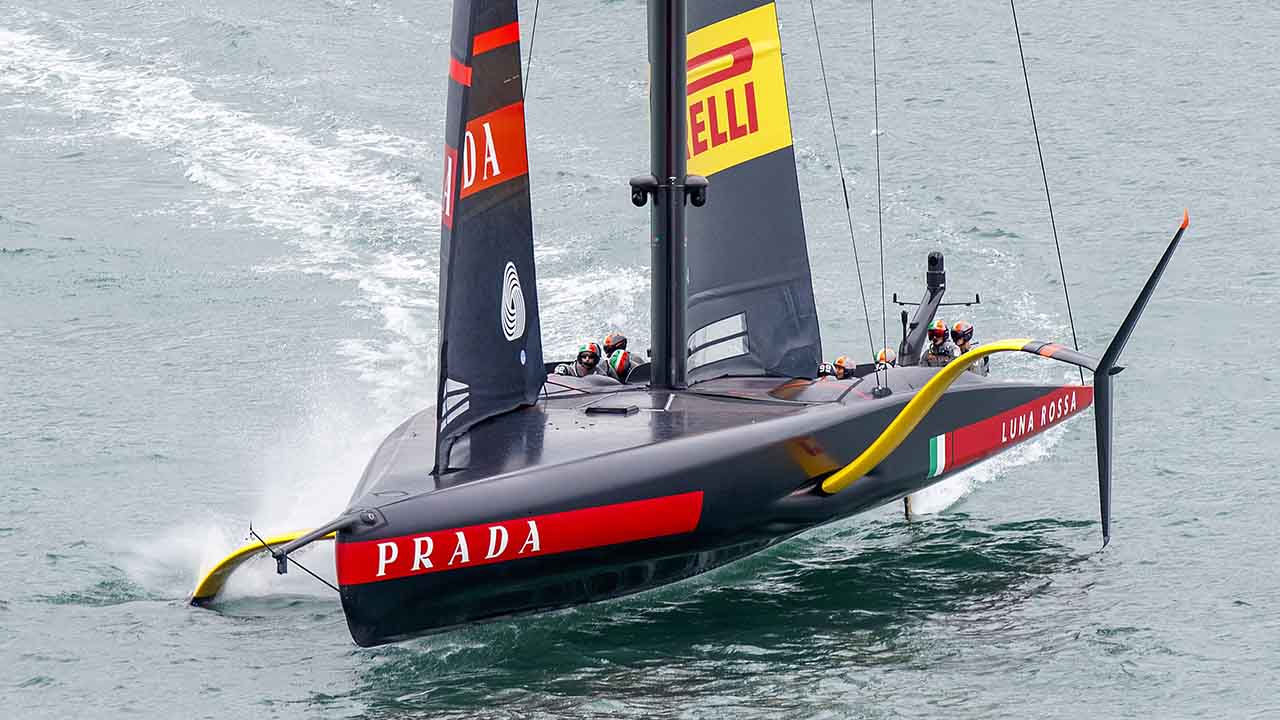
[
  {"x": 747, "y": 256},
  {"x": 490, "y": 338}
]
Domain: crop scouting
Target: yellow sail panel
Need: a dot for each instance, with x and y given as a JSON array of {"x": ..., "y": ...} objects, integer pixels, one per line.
[{"x": 737, "y": 93}]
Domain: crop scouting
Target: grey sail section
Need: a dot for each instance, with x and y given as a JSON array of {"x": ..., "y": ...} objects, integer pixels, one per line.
[
  {"x": 751, "y": 308},
  {"x": 490, "y": 340}
]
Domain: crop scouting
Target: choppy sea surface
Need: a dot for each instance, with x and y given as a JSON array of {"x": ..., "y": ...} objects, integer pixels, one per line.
[{"x": 218, "y": 275}]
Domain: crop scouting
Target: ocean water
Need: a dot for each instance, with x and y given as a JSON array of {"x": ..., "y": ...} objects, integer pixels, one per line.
[{"x": 218, "y": 274}]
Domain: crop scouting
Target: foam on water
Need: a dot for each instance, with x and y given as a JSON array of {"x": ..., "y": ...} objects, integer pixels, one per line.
[
  {"x": 325, "y": 198},
  {"x": 347, "y": 215},
  {"x": 325, "y": 201},
  {"x": 944, "y": 495},
  {"x": 591, "y": 306}
]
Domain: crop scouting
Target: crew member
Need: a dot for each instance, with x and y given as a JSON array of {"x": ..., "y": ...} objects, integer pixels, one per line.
[
  {"x": 962, "y": 336},
  {"x": 614, "y": 341},
  {"x": 886, "y": 359},
  {"x": 620, "y": 362},
  {"x": 588, "y": 362},
  {"x": 940, "y": 352},
  {"x": 841, "y": 369}
]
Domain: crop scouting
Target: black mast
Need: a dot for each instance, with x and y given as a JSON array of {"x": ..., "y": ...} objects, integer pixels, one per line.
[
  {"x": 667, "y": 160},
  {"x": 669, "y": 187}
]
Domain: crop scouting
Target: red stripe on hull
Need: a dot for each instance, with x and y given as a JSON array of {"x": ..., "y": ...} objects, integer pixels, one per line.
[
  {"x": 504, "y": 540},
  {"x": 495, "y": 38},
  {"x": 986, "y": 437}
]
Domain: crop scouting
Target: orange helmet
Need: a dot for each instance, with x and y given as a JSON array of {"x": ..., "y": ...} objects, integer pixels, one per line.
[
  {"x": 962, "y": 331},
  {"x": 614, "y": 341},
  {"x": 938, "y": 330},
  {"x": 887, "y": 356}
]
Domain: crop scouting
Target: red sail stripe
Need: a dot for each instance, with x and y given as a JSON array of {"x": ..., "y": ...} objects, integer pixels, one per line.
[
  {"x": 506, "y": 540},
  {"x": 486, "y": 164},
  {"x": 495, "y": 38},
  {"x": 459, "y": 72}
]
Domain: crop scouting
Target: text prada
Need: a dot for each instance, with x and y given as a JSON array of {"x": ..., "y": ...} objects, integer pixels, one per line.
[{"x": 423, "y": 548}]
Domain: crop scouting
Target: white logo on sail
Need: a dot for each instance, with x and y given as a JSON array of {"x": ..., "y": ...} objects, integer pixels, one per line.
[
  {"x": 457, "y": 400},
  {"x": 723, "y": 339},
  {"x": 512, "y": 303}
]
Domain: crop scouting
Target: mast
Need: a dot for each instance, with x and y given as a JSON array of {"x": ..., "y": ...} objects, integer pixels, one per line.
[{"x": 669, "y": 187}]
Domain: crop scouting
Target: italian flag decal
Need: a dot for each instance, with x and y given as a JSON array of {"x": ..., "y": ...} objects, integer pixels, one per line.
[{"x": 941, "y": 454}]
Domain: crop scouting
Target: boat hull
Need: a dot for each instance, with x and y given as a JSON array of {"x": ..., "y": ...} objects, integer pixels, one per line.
[{"x": 544, "y": 535}]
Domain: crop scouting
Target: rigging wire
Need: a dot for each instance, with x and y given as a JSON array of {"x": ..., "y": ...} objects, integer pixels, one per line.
[
  {"x": 271, "y": 550},
  {"x": 875, "y": 94},
  {"x": 1045, "y": 175},
  {"x": 533, "y": 31},
  {"x": 848, "y": 212}
]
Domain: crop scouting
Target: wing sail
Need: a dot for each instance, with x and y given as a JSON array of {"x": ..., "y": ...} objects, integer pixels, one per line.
[
  {"x": 751, "y": 308},
  {"x": 491, "y": 344}
]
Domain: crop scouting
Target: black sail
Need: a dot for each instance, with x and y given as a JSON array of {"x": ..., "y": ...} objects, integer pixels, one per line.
[
  {"x": 750, "y": 306},
  {"x": 490, "y": 340}
]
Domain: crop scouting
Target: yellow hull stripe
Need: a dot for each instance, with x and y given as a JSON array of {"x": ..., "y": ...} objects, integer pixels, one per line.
[
  {"x": 211, "y": 584},
  {"x": 911, "y": 415}
]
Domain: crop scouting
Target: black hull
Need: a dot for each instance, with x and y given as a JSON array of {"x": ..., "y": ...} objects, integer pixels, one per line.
[
  {"x": 410, "y": 607},
  {"x": 560, "y": 506}
]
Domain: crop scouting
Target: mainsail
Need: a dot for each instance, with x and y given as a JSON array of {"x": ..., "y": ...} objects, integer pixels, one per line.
[
  {"x": 750, "y": 305},
  {"x": 490, "y": 340}
]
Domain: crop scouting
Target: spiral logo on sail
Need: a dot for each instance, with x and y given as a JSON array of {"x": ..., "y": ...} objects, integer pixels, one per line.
[{"x": 512, "y": 303}]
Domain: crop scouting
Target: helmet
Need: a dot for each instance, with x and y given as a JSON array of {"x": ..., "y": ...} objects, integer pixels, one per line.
[
  {"x": 887, "y": 356},
  {"x": 938, "y": 330},
  {"x": 614, "y": 341},
  {"x": 843, "y": 365},
  {"x": 589, "y": 348},
  {"x": 620, "y": 361},
  {"x": 962, "y": 331}
]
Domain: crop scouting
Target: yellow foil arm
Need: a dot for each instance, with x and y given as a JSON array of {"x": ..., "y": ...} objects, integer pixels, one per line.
[
  {"x": 911, "y": 415},
  {"x": 211, "y": 584}
]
